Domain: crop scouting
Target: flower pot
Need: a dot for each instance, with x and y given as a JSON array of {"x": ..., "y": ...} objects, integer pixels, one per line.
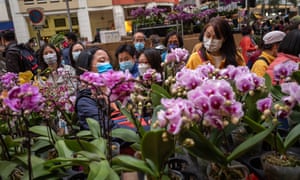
[
  {"x": 276, "y": 168},
  {"x": 255, "y": 166},
  {"x": 235, "y": 171}
]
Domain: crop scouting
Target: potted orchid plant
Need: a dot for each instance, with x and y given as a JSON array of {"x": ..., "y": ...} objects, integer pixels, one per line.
[{"x": 279, "y": 109}]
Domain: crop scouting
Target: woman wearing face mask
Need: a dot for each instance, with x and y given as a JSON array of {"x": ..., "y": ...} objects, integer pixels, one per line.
[
  {"x": 125, "y": 55},
  {"x": 218, "y": 46},
  {"x": 74, "y": 52},
  {"x": 150, "y": 58},
  {"x": 173, "y": 40},
  {"x": 94, "y": 60},
  {"x": 50, "y": 58}
]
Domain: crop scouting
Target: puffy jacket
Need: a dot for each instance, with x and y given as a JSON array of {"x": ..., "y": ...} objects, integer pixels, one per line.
[
  {"x": 88, "y": 107},
  {"x": 281, "y": 58}
]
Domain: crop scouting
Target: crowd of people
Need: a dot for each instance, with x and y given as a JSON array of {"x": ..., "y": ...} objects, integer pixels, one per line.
[{"x": 216, "y": 46}]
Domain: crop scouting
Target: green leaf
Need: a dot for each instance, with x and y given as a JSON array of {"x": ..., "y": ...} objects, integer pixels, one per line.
[
  {"x": 90, "y": 156},
  {"x": 81, "y": 145},
  {"x": 258, "y": 128},
  {"x": 62, "y": 149},
  {"x": 10, "y": 142},
  {"x": 34, "y": 159},
  {"x": 136, "y": 146},
  {"x": 155, "y": 149},
  {"x": 209, "y": 150},
  {"x": 133, "y": 120},
  {"x": 83, "y": 133},
  {"x": 129, "y": 162},
  {"x": 44, "y": 131},
  {"x": 292, "y": 137},
  {"x": 158, "y": 92},
  {"x": 99, "y": 170},
  {"x": 248, "y": 144},
  {"x": 127, "y": 135},
  {"x": 41, "y": 145},
  {"x": 6, "y": 168},
  {"x": 58, "y": 163},
  {"x": 101, "y": 144},
  {"x": 94, "y": 127},
  {"x": 152, "y": 166},
  {"x": 268, "y": 82},
  {"x": 276, "y": 92},
  {"x": 250, "y": 104},
  {"x": 296, "y": 76}
]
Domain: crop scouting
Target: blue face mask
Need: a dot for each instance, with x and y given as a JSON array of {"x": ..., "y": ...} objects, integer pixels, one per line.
[
  {"x": 172, "y": 46},
  {"x": 139, "y": 46},
  {"x": 126, "y": 65},
  {"x": 103, "y": 67}
]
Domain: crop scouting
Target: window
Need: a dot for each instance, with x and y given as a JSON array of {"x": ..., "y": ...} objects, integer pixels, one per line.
[
  {"x": 27, "y": 2},
  {"x": 53, "y": 1},
  {"x": 46, "y": 25},
  {"x": 60, "y": 22},
  {"x": 74, "y": 21},
  {"x": 41, "y": 1}
]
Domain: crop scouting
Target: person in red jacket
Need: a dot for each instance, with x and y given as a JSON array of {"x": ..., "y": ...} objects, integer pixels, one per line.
[{"x": 247, "y": 43}]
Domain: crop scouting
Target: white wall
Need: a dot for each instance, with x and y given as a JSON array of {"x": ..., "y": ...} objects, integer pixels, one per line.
[{"x": 3, "y": 10}]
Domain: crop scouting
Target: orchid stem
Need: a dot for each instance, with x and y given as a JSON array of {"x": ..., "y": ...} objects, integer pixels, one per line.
[{"x": 28, "y": 149}]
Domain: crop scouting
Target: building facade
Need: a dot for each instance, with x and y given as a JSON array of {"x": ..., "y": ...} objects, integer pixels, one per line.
[{"x": 87, "y": 17}]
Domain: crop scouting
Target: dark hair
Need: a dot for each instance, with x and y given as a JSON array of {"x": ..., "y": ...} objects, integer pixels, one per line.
[
  {"x": 290, "y": 43},
  {"x": 133, "y": 37},
  {"x": 85, "y": 60},
  {"x": 246, "y": 30},
  {"x": 31, "y": 40},
  {"x": 42, "y": 64},
  {"x": 155, "y": 39},
  {"x": 71, "y": 36},
  {"x": 73, "y": 63},
  {"x": 222, "y": 30},
  {"x": 172, "y": 33},
  {"x": 8, "y": 35},
  {"x": 125, "y": 48},
  {"x": 154, "y": 58}
]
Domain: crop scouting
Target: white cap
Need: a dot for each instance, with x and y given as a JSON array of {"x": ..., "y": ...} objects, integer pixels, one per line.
[{"x": 273, "y": 37}]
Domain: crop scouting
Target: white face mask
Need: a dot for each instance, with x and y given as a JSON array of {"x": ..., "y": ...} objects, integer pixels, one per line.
[
  {"x": 76, "y": 55},
  {"x": 142, "y": 67},
  {"x": 212, "y": 45},
  {"x": 50, "y": 58}
]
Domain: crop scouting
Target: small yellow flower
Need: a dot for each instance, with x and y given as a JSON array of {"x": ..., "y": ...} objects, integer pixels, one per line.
[{"x": 25, "y": 77}]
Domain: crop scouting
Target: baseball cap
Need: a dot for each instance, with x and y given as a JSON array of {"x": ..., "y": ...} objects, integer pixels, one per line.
[{"x": 273, "y": 37}]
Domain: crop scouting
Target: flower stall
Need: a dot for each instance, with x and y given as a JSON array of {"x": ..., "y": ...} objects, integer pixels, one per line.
[{"x": 177, "y": 124}]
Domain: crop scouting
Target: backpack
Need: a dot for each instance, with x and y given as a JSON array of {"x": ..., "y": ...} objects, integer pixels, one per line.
[
  {"x": 28, "y": 59},
  {"x": 250, "y": 63}
]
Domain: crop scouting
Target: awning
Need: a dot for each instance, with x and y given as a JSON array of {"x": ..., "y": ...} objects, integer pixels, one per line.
[{"x": 6, "y": 25}]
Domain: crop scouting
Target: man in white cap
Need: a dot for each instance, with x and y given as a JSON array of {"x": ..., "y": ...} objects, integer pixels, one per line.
[{"x": 271, "y": 42}]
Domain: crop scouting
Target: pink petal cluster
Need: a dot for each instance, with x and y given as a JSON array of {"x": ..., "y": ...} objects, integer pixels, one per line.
[
  {"x": 175, "y": 112},
  {"x": 283, "y": 70},
  {"x": 25, "y": 98},
  {"x": 215, "y": 99},
  {"x": 152, "y": 75},
  {"x": 292, "y": 89},
  {"x": 9, "y": 80},
  {"x": 264, "y": 104},
  {"x": 118, "y": 84},
  {"x": 177, "y": 55}
]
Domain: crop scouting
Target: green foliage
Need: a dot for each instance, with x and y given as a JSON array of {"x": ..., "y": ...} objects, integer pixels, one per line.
[
  {"x": 57, "y": 39},
  {"x": 156, "y": 149}
]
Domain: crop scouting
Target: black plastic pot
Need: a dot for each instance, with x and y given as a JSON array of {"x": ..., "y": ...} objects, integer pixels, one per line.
[
  {"x": 255, "y": 166},
  {"x": 278, "y": 172}
]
